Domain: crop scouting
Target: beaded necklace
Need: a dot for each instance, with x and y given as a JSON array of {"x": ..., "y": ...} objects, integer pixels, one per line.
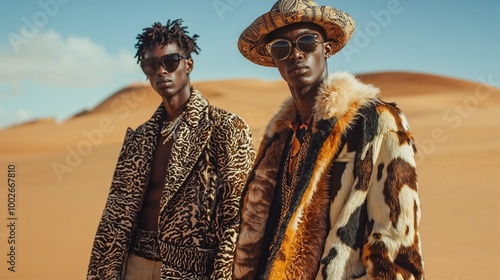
[{"x": 169, "y": 128}]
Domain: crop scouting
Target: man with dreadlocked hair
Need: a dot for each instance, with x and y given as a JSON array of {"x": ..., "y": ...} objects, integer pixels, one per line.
[{"x": 172, "y": 210}]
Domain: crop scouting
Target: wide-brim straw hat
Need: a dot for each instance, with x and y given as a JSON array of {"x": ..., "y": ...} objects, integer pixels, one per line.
[{"x": 338, "y": 25}]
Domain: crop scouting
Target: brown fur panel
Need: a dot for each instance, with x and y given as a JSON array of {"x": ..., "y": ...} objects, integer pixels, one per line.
[
  {"x": 410, "y": 259},
  {"x": 399, "y": 174},
  {"x": 256, "y": 205},
  {"x": 376, "y": 258}
]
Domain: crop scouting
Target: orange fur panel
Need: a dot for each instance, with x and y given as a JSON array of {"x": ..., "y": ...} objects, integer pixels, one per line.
[{"x": 302, "y": 247}]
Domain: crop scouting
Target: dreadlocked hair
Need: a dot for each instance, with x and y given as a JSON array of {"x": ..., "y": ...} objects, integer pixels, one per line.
[{"x": 162, "y": 35}]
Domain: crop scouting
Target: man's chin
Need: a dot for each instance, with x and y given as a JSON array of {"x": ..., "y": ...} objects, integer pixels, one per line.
[
  {"x": 165, "y": 92},
  {"x": 300, "y": 81}
]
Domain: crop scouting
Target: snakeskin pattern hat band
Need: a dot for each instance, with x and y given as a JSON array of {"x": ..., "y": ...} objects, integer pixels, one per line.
[{"x": 338, "y": 25}]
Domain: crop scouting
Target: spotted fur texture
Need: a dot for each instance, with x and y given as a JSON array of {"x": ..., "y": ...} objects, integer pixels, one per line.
[
  {"x": 198, "y": 221},
  {"x": 358, "y": 181}
]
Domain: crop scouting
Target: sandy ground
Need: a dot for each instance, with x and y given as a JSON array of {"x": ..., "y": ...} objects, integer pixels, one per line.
[{"x": 63, "y": 171}]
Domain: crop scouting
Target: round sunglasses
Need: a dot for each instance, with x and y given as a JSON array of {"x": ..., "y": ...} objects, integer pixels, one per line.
[
  {"x": 169, "y": 62},
  {"x": 280, "y": 49}
]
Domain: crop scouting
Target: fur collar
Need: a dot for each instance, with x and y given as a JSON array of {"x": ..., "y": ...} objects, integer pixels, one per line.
[{"x": 339, "y": 94}]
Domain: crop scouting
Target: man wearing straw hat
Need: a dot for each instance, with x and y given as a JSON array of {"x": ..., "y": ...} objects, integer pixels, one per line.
[{"x": 333, "y": 191}]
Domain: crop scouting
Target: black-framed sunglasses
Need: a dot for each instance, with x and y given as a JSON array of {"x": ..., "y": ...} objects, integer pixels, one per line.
[
  {"x": 280, "y": 49},
  {"x": 169, "y": 62}
]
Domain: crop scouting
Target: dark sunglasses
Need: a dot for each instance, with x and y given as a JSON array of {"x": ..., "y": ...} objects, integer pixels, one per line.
[
  {"x": 280, "y": 49},
  {"x": 169, "y": 62}
]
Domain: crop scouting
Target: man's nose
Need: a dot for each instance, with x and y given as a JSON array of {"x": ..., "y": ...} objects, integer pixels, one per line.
[{"x": 296, "y": 54}]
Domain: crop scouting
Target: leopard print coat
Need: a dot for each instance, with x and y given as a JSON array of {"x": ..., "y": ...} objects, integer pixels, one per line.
[
  {"x": 211, "y": 158},
  {"x": 355, "y": 210}
]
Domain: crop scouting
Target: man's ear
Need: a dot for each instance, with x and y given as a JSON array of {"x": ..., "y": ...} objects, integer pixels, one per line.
[
  {"x": 190, "y": 65},
  {"x": 328, "y": 49}
]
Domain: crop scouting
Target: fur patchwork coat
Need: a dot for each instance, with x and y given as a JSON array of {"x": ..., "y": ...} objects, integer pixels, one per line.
[
  {"x": 358, "y": 186},
  {"x": 198, "y": 218}
]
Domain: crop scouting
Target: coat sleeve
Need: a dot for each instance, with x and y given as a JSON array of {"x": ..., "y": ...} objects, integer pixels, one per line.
[
  {"x": 393, "y": 249},
  {"x": 108, "y": 252},
  {"x": 236, "y": 155}
]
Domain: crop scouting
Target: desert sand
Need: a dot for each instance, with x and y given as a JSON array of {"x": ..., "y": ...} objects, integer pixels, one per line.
[{"x": 63, "y": 170}]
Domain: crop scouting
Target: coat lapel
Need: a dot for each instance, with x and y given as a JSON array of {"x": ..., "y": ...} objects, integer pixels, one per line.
[
  {"x": 141, "y": 144},
  {"x": 193, "y": 134}
]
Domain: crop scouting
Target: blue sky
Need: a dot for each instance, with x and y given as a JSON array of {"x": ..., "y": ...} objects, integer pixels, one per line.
[{"x": 58, "y": 57}]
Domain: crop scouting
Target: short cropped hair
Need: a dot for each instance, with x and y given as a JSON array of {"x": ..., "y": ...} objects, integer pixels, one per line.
[{"x": 162, "y": 35}]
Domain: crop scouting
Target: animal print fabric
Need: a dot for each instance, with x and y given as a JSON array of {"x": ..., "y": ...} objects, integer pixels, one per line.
[
  {"x": 358, "y": 182},
  {"x": 211, "y": 158},
  {"x": 145, "y": 244}
]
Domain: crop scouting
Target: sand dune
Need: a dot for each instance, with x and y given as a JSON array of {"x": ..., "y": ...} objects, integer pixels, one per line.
[{"x": 63, "y": 170}]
